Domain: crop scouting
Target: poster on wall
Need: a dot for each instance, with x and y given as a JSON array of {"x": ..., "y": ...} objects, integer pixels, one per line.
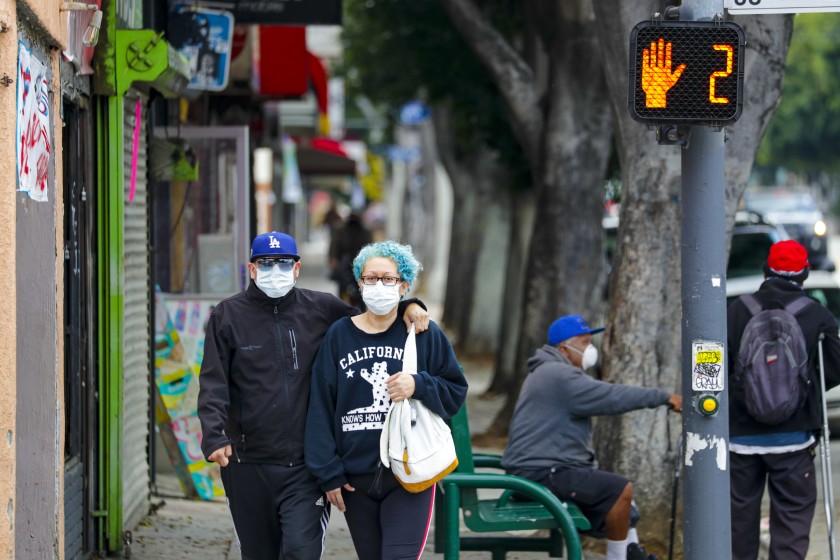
[
  {"x": 204, "y": 37},
  {"x": 32, "y": 126}
]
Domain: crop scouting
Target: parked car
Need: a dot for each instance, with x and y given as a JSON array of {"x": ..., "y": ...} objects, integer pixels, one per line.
[
  {"x": 752, "y": 237},
  {"x": 797, "y": 211},
  {"x": 821, "y": 286}
]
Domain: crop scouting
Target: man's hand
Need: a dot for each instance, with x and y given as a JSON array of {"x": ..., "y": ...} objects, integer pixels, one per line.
[
  {"x": 417, "y": 315},
  {"x": 675, "y": 403},
  {"x": 335, "y": 498},
  {"x": 221, "y": 455},
  {"x": 657, "y": 77},
  {"x": 400, "y": 386}
]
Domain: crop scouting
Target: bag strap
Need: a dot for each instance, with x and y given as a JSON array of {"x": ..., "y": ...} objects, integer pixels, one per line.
[
  {"x": 794, "y": 307},
  {"x": 410, "y": 352},
  {"x": 798, "y": 305},
  {"x": 752, "y": 304}
]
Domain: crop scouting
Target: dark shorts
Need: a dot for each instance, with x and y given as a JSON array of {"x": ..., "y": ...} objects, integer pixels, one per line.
[{"x": 594, "y": 492}]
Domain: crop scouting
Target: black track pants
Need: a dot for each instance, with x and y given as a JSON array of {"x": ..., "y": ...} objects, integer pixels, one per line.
[
  {"x": 279, "y": 512},
  {"x": 391, "y": 524},
  {"x": 792, "y": 485}
]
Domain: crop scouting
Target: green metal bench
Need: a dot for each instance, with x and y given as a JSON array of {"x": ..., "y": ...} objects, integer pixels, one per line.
[{"x": 488, "y": 519}]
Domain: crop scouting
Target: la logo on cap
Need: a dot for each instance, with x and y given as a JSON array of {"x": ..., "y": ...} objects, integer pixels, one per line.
[{"x": 273, "y": 244}]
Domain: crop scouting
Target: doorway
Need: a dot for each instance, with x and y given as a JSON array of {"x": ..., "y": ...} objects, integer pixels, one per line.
[{"x": 80, "y": 379}]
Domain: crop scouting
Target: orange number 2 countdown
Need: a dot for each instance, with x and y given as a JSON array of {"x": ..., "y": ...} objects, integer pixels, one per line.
[{"x": 721, "y": 73}]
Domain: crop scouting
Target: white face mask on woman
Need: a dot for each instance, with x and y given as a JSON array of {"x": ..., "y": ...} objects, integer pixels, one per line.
[
  {"x": 589, "y": 356},
  {"x": 381, "y": 299},
  {"x": 275, "y": 283}
]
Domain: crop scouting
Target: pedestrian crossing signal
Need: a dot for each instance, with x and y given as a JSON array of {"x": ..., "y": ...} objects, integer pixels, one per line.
[{"x": 686, "y": 72}]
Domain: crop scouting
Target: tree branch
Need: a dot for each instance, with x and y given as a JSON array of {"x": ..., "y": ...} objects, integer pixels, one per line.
[{"x": 513, "y": 77}]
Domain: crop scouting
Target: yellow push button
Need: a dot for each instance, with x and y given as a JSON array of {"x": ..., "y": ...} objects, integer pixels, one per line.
[{"x": 708, "y": 405}]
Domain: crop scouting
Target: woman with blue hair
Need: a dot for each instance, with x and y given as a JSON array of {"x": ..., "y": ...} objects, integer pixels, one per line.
[{"x": 356, "y": 376}]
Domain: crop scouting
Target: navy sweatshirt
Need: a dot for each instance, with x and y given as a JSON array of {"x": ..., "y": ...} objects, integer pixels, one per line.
[{"x": 348, "y": 398}]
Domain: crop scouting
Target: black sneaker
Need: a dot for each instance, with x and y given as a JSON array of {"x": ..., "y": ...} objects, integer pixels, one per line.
[{"x": 636, "y": 552}]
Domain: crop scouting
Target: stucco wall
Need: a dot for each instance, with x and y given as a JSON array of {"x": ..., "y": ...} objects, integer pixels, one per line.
[
  {"x": 31, "y": 337},
  {"x": 8, "y": 340},
  {"x": 50, "y": 19},
  {"x": 38, "y": 426}
]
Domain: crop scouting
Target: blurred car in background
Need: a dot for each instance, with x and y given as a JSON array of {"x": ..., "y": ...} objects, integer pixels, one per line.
[
  {"x": 797, "y": 211},
  {"x": 821, "y": 286},
  {"x": 752, "y": 237}
]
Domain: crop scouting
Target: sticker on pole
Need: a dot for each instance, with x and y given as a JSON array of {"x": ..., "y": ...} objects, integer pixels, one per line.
[{"x": 707, "y": 366}]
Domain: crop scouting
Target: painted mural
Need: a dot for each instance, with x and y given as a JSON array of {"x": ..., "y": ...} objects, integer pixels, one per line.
[{"x": 179, "y": 349}]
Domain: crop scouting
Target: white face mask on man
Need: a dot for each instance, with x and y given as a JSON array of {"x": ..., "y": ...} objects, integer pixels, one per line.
[
  {"x": 589, "y": 356},
  {"x": 275, "y": 283},
  {"x": 381, "y": 299}
]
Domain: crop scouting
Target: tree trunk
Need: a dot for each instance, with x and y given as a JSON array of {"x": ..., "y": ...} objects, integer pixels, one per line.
[
  {"x": 642, "y": 344},
  {"x": 523, "y": 210},
  {"x": 565, "y": 270},
  {"x": 477, "y": 181},
  {"x": 419, "y": 202}
]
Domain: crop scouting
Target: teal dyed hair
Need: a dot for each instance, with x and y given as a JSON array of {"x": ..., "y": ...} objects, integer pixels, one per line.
[{"x": 402, "y": 255}]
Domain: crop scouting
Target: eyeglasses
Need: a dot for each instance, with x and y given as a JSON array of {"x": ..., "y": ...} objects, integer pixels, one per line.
[
  {"x": 267, "y": 263},
  {"x": 386, "y": 280}
]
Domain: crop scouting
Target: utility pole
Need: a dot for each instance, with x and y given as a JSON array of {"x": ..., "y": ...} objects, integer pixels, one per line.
[
  {"x": 706, "y": 514},
  {"x": 686, "y": 81}
]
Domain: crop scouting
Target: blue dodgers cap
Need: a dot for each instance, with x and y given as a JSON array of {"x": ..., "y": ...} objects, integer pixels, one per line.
[
  {"x": 566, "y": 327},
  {"x": 274, "y": 244}
]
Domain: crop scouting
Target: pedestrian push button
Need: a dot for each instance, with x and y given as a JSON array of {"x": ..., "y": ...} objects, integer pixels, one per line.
[{"x": 708, "y": 405}]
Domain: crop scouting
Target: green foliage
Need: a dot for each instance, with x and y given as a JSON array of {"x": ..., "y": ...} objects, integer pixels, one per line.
[
  {"x": 805, "y": 130},
  {"x": 399, "y": 50}
]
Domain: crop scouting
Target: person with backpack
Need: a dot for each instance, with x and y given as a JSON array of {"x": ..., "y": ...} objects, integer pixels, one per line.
[{"x": 775, "y": 404}]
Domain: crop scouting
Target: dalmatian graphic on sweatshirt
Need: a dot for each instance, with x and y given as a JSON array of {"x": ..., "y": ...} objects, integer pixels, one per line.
[
  {"x": 349, "y": 399},
  {"x": 370, "y": 417}
]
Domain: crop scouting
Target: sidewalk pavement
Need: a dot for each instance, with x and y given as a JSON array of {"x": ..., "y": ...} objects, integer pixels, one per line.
[{"x": 182, "y": 529}]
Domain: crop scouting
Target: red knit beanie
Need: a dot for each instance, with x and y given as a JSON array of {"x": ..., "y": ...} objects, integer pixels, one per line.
[{"x": 788, "y": 258}]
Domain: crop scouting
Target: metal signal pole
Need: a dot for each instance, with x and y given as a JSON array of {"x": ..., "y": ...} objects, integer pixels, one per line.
[{"x": 706, "y": 513}]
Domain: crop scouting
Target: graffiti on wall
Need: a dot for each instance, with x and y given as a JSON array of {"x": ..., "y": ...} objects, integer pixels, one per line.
[
  {"x": 33, "y": 133},
  {"x": 179, "y": 349}
]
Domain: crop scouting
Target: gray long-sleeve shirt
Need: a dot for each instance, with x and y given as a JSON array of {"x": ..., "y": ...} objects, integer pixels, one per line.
[{"x": 552, "y": 423}]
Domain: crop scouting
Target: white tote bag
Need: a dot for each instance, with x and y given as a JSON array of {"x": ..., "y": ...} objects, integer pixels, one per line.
[{"x": 416, "y": 443}]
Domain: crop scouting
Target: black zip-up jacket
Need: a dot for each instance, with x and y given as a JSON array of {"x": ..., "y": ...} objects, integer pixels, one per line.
[
  {"x": 256, "y": 371},
  {"x": 775, "y": 293}
]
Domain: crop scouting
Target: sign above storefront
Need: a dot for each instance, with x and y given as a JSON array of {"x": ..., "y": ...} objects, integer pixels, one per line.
[
  {"x": 280, "y": 12},
  {"x": 204, "y": 37}
]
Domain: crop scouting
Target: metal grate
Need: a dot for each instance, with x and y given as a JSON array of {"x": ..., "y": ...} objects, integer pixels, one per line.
[
  {"x": 137, "y": 323},
  {"x": 686, "y": 72}
]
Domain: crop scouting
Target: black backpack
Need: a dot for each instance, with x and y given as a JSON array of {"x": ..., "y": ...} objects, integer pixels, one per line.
[{"x": 773, "y": 361}]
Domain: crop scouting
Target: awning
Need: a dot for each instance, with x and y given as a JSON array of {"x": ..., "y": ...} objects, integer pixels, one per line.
[{"x": 312, "y": 161}]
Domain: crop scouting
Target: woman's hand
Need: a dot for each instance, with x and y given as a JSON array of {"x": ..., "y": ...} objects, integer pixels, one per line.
[
  {"x": 417, "y": 315},
  {"x": 335, "y": 498},
  {"x": 400, "y": 386}
]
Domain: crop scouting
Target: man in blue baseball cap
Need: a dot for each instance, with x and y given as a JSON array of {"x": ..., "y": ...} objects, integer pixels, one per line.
[
  {"x": 550, "y": 439},
  {"x": 254, "y": 392}
]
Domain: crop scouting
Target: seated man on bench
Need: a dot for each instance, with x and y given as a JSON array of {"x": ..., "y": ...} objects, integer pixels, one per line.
[{"x": 551, "y": 431}]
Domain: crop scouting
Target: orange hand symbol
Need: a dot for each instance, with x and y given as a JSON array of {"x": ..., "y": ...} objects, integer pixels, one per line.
[{"x": 657, "y": 77}]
